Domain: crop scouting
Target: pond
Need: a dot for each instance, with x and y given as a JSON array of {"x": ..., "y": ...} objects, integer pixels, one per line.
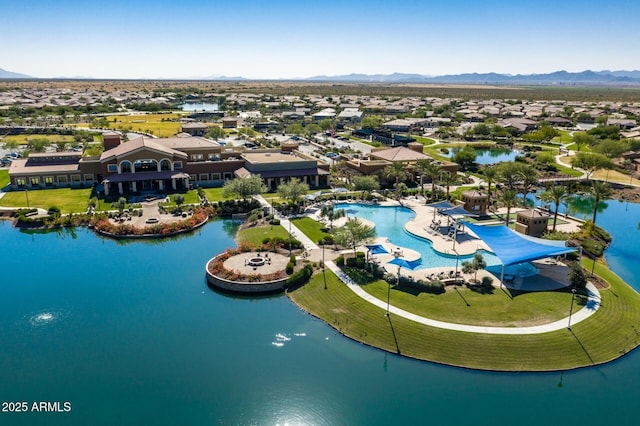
[
  {"x": 488, "y": 156},
  {"x": 199, "y": 107}
]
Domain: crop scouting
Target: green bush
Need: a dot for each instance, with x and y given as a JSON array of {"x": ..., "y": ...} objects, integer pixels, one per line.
[
  {"x": 289, "y": 268},
  {"x": 292, "y": 260},
  {"x": 487, "y": 281},
  {"x": 300, "y": 277},
  {"x": 266, "y": 240},
  {"x": 54, "y": 210},
  {"x": 340, "y": 261}
]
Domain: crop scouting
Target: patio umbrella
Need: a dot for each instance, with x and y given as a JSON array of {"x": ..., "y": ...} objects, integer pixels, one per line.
[
  {"x": 404, "y": 263},
  {"x": 376, "y": 249}
]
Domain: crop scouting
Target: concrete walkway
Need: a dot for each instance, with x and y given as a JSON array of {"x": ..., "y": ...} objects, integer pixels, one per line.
[{"x": 593, "y": 300}]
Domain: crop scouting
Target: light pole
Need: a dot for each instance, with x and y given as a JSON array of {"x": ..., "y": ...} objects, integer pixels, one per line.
[
  {"x": 26, "y": 194},
  {"x": 396, "y": 254},
  {"x": 573, "y": 293},
  {"x": 455, "y": 278},
  {"x": 324, "y": 277},
  {"x": 290, "y": 235}
]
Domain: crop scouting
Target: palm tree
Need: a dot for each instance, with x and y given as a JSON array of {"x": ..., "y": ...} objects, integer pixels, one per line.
[
  {"x": 599, "y": 190},
  {"x": 422, "y": 167},
  {"x": 490, "y": 174},
  {"x": 509, "y": 199},
  {"x": 529, "y": 178},
  {"x": 395, "y": 171},
  {"x": 556, "y": 194},
  {"x": 448, "y": 179},
  {"x": 433, "y": 171}
]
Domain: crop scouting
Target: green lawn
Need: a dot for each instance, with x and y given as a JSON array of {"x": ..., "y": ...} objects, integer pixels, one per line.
[
  {"x": 583, "y": 148},
  {"x": 215, "y": 194},
  {"x": 606, "y": 335},
  {"x": 311, "y": 228},
  {"x": 563, "y": 137},
  {"x": 493, "y": 309},
  {"x": 67, "y": 199},
  {"x": 4, "y": 178},
  {"x": 255, "y": 235}
]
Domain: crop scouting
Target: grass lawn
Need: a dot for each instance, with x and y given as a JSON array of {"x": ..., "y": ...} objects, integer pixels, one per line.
[
  {"x": 583, "y": 148},
  {"x": 493, "y": 309},
  {"x": 606, "y": 335},
  {"x": 4, "y": 178},
  {"x": 255, "y": 235},
  {"x": 162, "y": 125},
  {"x": 24, "y": 138},
  {"x": 423, "y": 140},
  {"x": 563, "y": 137},
  {"x": 215, "y": 194},
  {"x": 67, "y": 199},
  {"x": 311, "y": 228}
]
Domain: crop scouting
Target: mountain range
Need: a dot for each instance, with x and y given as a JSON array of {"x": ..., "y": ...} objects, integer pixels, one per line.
[{"x": 587, "y": 77}]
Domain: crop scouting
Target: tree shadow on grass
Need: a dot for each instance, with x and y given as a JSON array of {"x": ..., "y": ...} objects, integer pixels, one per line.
[{"x": 480, "y": 288}]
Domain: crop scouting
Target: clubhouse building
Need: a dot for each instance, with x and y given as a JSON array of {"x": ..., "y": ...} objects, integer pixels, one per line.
[{"x": 148, "y": 165}]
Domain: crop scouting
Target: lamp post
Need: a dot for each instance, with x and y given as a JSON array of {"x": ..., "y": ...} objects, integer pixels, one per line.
[
  {"x": 396, "y": 254},
  {"x": 323, "y": 275},
  {"x": 290, "y": 235},
  {"x": 573, "y": 293},
  {"x": 455, "y": 278},
  {"x": 26, "y": 194}
]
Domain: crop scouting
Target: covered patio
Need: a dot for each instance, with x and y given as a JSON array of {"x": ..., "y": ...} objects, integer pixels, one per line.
[{"x": 514, "y": 249}]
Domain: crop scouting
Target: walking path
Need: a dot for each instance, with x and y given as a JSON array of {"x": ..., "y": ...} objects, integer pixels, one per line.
[{"x": 593, "y": 300}]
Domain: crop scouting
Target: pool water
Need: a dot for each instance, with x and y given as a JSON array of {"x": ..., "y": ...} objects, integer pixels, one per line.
[{"x": 390, "y": 221}]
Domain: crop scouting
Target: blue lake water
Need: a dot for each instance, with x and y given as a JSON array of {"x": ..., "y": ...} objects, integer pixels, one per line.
[
  {"x": 199, "y": 106},
  {"x": 488, "y": 156},
  {"x": 129, "y": 333}
]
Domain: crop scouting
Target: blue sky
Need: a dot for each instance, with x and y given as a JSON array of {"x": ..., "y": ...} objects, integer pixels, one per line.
[{"x": 293, "y": 39}]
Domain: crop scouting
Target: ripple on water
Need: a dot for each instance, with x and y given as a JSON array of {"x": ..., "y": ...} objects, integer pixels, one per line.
[{"x": 43, "y": 319}]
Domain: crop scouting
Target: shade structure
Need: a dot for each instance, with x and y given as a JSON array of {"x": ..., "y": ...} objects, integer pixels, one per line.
[
  {"x": 377, "y": 249},
  {"x": 457, "y": 211},
  {"x": 441, "y": 205},
  {"x": 404, "y": 263},
  {"x": 512, "y": 248}
]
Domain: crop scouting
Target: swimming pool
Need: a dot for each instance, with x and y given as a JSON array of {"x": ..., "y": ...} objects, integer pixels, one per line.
[{"x": 390, "y": 221}]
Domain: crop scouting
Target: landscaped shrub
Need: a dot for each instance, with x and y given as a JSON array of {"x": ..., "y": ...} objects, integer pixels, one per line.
[
  {"x": 289, "y": 268},
  {"x": 300, "y": 277},
  {"x": 274, "y": 221},
  {"x": 340, "y": 261},
  {"x": 292, "y": 259},
  {"x": 487, "y": 281},
  {"x": 53, "y": 210}
]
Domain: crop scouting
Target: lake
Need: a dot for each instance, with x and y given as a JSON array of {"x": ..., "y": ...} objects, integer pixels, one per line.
[
  {"x": 488, "y": 156},
  {"x": 129, "y": 333},
  {"x": 199, "y": 107}
]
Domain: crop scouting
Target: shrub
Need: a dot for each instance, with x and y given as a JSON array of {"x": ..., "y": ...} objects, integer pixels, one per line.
[
  {"x": 289, "y": 268},
  {"x": 266, "y": 240},
  {"x": 487, "y": 281},
  {"x": 340, "y": 261},
  {"x": 292, "y": 259},
  {"x": 300, "y": 277},
  {"x": 54, "y": 210}
]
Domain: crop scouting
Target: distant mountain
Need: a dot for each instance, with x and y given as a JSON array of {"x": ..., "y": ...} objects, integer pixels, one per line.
[
  {"x": 9, "y": 74},
  {"x": 373, "y": 78},
  {"x": 222, "y": 78},
  {"x": 558, "y": 77}
]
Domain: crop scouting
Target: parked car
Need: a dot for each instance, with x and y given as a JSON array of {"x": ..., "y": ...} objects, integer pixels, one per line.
[{"x": 332, "y": 154}]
